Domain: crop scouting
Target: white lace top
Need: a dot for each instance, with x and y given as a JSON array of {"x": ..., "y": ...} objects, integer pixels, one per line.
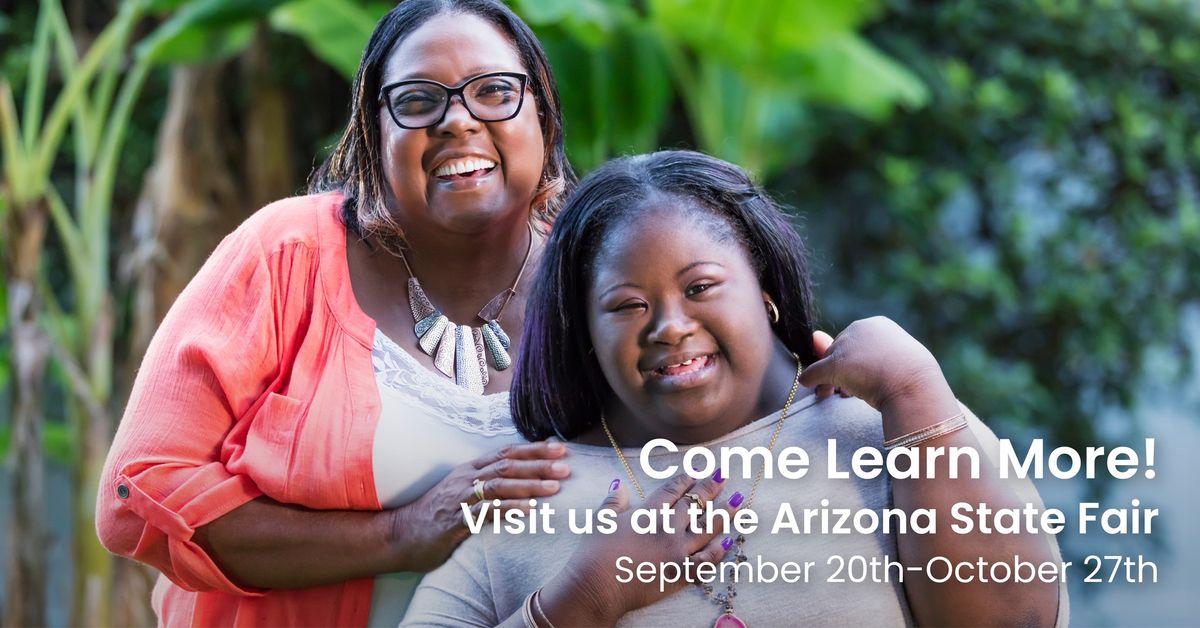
[{"x": 427, "y": 426}]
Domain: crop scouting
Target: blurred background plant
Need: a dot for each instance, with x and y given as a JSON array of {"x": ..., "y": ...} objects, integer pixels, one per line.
[{"x": 1013, "y": 181}]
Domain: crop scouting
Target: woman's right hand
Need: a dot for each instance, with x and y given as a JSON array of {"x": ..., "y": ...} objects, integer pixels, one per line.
[
  {"x": 427, "y": 530},
  {"x": 587, "y": 590}
]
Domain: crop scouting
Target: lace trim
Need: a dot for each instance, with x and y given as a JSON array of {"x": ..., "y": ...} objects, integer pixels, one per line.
[{"x": 395, "y": 369}]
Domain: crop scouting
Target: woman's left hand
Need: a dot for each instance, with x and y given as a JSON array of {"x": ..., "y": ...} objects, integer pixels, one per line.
[
  {"x": 587, "y": 589},
  {"x": 821, "y": 344},
  {"x": 873, "y": 359}
]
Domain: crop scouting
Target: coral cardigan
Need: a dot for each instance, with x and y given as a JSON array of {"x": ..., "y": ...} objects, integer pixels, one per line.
[{"x": 258, "y": 382}]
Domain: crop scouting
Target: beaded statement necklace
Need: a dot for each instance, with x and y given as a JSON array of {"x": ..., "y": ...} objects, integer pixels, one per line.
[
  {"x": 461, "y": 351},
  {"x": 725, "y": 600}
]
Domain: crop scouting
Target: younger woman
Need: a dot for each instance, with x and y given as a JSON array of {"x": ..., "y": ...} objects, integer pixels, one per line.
[{"x": 673, "y": 301}]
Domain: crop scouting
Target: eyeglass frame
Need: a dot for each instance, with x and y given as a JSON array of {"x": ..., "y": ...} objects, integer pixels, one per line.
[{"x": 451, "y": 92}]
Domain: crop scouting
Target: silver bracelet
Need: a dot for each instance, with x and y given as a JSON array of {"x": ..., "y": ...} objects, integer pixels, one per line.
[
  {"x": 527, "y": 612},
  {"x": 537, "y": 605},
  {"x": 531, "y": 610},
  {"x": 949, "y": 426}
]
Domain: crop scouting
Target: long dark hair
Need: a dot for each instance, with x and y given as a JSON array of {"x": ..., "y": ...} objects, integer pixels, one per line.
[
  {"x": 558, "y": 388},
  {"x": 354, "y": 167}
]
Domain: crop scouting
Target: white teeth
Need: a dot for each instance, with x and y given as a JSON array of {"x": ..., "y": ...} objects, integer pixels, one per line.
[
  {"x": 675, "y": 366},
  {"x": 459, "y": 166}
]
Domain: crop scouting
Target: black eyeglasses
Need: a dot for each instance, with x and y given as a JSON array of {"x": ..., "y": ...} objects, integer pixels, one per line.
[{"x": 492, "y": 97}]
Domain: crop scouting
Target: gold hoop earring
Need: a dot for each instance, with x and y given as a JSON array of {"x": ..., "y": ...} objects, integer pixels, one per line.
[{"x": 772, "y": 311}]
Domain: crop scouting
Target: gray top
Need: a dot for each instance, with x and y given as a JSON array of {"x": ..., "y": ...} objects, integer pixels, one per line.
[{"x": 487, "y": 579}]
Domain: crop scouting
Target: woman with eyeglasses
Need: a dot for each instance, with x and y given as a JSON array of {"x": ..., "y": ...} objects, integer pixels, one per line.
[{"x": 334, "y": 381}]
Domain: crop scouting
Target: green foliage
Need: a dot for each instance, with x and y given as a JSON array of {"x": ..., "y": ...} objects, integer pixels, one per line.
[
  {"x": 743, "y": 71},
  {"x": 589, "y": 22},
  {"x": 747, "y": 73},
  {"x": 5, "y": 346},
  {"x": 206, "y": 31},
  {"x": 744, "y": 74},
  {"x": 203, "y": 31},
  {"x": 628, "y": 67},
  {"x": 1012, "y": 180},
  {"x": 57, "y": 442},
  {"x": 335, "y": 30},
  {"x": 1036, "y": 224}
]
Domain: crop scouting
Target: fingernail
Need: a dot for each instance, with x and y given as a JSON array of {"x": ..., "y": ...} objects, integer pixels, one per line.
[
  {"x": 550, "y": 485},
  {"x": 737, "y": 499},
  {"x": 616, "y": 484},
  {"x": 558, "y": 467},
  {"x": 717, "y": 476},
  {"x": 727, "y": 543},
  {"x": 555, "y": 446}
]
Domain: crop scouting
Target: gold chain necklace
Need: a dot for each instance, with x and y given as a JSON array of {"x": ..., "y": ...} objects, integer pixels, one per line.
[{"x": 727, "y": 619}]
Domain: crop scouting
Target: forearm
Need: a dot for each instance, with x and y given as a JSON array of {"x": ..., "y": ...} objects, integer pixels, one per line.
[
  {"x": 953, "y": 602},
  {"x": 266, "y": 544}
]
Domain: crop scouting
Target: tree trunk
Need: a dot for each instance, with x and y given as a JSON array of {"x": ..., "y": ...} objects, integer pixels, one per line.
[
  {"x": 269, "y": 170},
  {"x": 93, "y": 564},
  {"x": 132, "y": 584},
  {"x": 26, "y": 590},
  {"x": 187, "y": 192}
]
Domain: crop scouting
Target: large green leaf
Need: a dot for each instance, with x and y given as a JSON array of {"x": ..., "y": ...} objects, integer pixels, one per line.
[
  {"x": 643, "y": 96},
  {"x": 335, "y": 30},
  {"x": 205, "y": 30},
  {"x": 35, "y": 91},
  {"x": 615, "y": 96},
  {"x": 590, "y": 22},
  {"x": 165, "y": 6},
  {"x": 749, "y": 33},
  {"x": 540, "y": 12},
  {"x": 204, "y": 45},
  {"x": 850, "y": 73}
]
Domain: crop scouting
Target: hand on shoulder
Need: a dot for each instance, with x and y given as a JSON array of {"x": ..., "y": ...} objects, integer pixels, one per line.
[{"x": 877, "y": 361}]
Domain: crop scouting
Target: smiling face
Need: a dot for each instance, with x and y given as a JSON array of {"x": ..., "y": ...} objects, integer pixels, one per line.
[
  {"x": 460, "y": 175},
  {"x": 680, "y": 330}
]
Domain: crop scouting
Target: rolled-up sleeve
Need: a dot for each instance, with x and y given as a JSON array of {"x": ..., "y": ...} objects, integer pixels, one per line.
[{"x": 207, "y": 369}]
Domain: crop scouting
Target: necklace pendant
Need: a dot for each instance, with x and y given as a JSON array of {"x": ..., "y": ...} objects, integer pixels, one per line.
[
  {"x": 477, "y": 340},
  {"x": 466, "y": 368},
  {"x": 494, "y": 325},
  {"x": 444, "y": 360},
  {"x": 492, "y": 310},
  {"x": 417, "y": 301},
  {"x": 496, "y": 346},
  {"x": 729, "y": 620},
  {"x": 433, "y": 334},
  {"x": 424, "y": 324}
]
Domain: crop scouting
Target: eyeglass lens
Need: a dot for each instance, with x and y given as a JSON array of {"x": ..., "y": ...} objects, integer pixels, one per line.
[{"x": 488, "y": 98}]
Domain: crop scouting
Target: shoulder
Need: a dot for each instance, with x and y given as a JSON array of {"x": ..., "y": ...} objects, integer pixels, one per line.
[
  {"x": 292, "y": 254},
  {"x": 851, "y": 421},
  {"x": 309, "y": 220}
]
